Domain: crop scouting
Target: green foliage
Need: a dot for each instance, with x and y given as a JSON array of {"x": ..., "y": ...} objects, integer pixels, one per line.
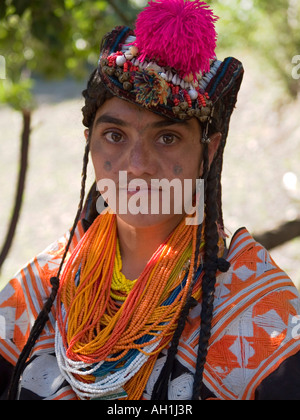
[
  {"x": 53, "y": 39},
  {"x": 270, "y": 30},
  {"x": 18, "y": 95}
]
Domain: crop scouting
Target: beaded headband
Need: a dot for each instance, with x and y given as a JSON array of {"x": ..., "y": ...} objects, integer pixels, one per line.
[{"x": 168, "y": 64}]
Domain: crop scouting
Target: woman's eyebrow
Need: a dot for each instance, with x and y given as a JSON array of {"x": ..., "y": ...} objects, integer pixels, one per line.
[{"x": 106, "y": 118}]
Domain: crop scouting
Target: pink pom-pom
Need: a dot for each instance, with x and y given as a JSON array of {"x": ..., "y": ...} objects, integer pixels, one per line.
[{"x": 177, "y": 33}]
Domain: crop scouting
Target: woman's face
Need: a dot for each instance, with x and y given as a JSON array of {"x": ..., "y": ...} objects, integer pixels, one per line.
[{"x": 133, "y": 150}]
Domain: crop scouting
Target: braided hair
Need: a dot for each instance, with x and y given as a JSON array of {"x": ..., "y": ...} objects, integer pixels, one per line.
[{"x": 95, "y": 95}]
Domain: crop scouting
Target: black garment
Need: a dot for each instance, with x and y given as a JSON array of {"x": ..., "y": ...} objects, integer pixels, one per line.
[
  {"x": 6, "y": 370},
  {"x": 283, "y": 384}
]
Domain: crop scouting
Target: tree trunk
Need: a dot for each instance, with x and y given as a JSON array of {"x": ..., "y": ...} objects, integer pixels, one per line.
[
  {"x": 284, "y": 233},
  {"x": 20, "y": 187}
]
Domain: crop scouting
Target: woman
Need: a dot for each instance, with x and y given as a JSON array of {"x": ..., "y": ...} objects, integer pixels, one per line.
[{"x": 139, "y": 302}]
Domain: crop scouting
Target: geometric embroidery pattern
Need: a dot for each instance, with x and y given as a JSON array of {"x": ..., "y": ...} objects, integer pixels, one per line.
[{"x": 251, "y": 335}]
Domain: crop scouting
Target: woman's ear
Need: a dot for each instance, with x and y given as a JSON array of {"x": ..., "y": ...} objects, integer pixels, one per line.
[
  {"x": 86, "y": 133},
  {"x": 213, "y": 147}
]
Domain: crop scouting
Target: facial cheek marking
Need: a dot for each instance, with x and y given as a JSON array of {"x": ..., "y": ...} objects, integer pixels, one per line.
[
  {"x": 177, "y": 170},
  {"x": 107, "y": 166}
]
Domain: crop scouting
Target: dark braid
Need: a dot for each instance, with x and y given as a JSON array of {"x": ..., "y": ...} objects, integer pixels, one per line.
[
  {"x": 208, "y": 281},
  {"x": 160, "y": 389},
  {"x": 211, "y": 265},
  {"x": 43, "y": 316},
  {"x": 95, "y": 95}
]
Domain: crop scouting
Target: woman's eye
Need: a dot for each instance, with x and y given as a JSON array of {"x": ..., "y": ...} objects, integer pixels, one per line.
[
  {"x": 113, "y": 137},
  {"x": 167, "y": 139}
]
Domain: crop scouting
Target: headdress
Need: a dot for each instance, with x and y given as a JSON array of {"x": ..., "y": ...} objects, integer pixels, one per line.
[{"x": 168, "y": 64}]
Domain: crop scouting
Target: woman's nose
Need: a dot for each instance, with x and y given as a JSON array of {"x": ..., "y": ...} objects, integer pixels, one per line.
[{"x": 140, "y": 159}]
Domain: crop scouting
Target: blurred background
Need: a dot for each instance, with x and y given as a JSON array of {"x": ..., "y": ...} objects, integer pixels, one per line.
[{"x": 47, "y": 51}]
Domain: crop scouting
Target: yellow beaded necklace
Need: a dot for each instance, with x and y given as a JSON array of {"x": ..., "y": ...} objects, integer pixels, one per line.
[{"x": 120, "y": 285}]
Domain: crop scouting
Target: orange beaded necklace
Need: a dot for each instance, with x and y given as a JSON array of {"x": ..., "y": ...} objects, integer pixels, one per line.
[{"x": 105, "y": 347}]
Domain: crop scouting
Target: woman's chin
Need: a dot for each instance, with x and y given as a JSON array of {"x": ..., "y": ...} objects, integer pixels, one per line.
[{"x": 150, "y": 220}]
